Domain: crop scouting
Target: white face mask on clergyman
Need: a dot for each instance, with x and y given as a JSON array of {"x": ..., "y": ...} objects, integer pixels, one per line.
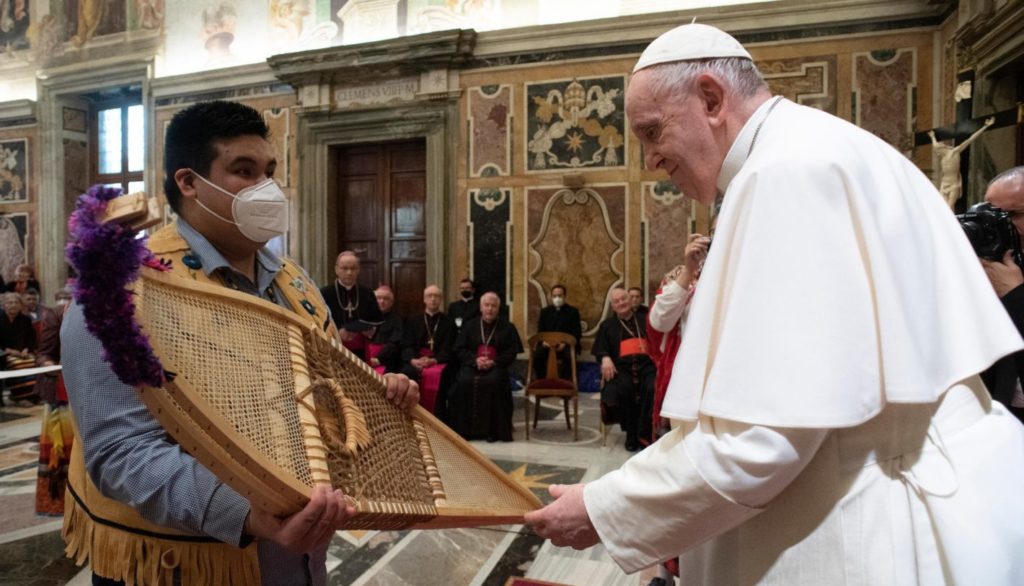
[
  {"x": 558, "y": 301},
  {"x": 259, "y": 211}
]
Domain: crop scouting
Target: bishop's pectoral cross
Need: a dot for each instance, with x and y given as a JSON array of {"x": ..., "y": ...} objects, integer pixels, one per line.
[
  {"x": 430, "y": 343},
  {"x": 964, "y": 131}
]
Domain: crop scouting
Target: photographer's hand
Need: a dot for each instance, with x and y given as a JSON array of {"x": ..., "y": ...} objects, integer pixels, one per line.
[{"x": 1005, "y": 276}]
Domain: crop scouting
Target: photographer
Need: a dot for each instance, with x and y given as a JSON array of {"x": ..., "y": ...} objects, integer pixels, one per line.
[{"x": 1003, "y": 379}]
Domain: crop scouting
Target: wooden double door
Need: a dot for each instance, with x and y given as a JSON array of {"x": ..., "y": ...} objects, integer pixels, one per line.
[{"x": 381, "y": 204}]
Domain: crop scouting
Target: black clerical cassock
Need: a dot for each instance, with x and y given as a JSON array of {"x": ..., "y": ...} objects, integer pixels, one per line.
[
  {"x": 480, "y": 405},
  {"x": 355, "y": 310},
  {"x": 386, "y": 344},
  {"x": 432, "y": 336},
  {"x": 628, "y": 397},
  {"x": 565, "y": 319}
]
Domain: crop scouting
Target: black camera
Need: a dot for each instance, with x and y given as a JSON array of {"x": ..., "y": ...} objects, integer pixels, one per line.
[{"x": 991, "y": 232}]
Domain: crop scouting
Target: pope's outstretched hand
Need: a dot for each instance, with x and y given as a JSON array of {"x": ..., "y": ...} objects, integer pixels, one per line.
[{"x": 565, "y": 522}]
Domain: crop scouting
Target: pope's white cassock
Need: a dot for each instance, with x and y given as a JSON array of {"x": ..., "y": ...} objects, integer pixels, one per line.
[{"x": 833, "y": 426}]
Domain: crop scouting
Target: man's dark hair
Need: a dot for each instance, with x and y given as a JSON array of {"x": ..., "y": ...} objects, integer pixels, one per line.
[
  {"x": 637, "y": 289},
  {"x": 470, "y": 281},
  {"x": 559, "y": 286},
  {"x": 192, "y": 132}
]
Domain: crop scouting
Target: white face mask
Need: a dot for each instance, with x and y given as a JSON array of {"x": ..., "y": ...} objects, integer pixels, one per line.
[
  {"x": 259, "y": 211},
  {"x": 558, "y": 301}
]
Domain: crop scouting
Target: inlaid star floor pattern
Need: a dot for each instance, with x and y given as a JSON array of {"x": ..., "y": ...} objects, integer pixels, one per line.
[{"x": 31, "y": 550}]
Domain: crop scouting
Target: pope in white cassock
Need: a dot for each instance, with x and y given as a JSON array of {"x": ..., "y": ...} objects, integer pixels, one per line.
[{"x": 832, "y": 428}]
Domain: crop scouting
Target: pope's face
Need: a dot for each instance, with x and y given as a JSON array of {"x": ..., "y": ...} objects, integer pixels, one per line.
[
  {"x": 347, "y": 270},
  {"x": 676, "y": 133}
]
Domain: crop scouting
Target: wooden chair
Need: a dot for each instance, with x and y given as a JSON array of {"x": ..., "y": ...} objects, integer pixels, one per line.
[{"x": 552, "y": 385}]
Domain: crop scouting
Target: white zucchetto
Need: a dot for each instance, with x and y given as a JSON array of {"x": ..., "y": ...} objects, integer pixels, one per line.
[{"x": 691, "y": 41}]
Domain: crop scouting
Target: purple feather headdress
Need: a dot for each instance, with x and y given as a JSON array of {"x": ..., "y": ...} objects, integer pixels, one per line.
[{"x": 107, "y": 258}]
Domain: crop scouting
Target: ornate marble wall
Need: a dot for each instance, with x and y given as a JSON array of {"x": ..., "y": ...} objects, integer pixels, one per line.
[
  {"x": 525, "y": 125},
  {"x": 561, "y": 112},
  {"x": 666, "y": 213},
  {"x": 885, "y": 91},
  {"x": 489, "y": 217},
  {"x": 490, "y": 121},
  {"x": 575, "y": 237},
  {"x": 19, "y": 193}
]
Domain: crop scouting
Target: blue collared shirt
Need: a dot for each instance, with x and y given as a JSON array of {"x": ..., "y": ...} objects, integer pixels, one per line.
[{"x": 127, "y": 453}]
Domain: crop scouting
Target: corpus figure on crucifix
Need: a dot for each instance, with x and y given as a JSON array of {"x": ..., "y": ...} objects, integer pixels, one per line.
[{"x": 950, "y": 183}]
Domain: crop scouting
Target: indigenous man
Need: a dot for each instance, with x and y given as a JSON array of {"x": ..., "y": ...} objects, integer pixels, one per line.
[
  {"x": 427, "y": 350},
  {"x": 627, "y": 370},
  {"x": 833, "y": 429},
  {"x": 139, "y": 508},
  {"x": 467, "y": 306},
  {"x": 385, "y": 349},
  {"x": 353, "y": 307},
  {"x": 557, "y": 317},
  {"x": 481, "y": 404}
]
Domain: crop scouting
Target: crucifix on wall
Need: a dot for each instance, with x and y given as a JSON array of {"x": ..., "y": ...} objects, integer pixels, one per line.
[{"x": 953, "y": 166}]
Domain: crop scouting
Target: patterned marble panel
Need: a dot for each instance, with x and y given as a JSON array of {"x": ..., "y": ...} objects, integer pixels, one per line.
[
  {"x": 575, "y": 123},
  {"x": 14, "y": 242},
  {"x": 667, "y": 216},
  {"x": 575, "y": 238},
  {"x": 279, "y": 122},
  {"x": 884, "y": 94},
  {"x": 14, "y": 171},
  {"x": 489, "y": 214},
  {"x": 76, "y": 171},
  {"x": 807, "y": 80},
  {"x": 490, "y": 136}
]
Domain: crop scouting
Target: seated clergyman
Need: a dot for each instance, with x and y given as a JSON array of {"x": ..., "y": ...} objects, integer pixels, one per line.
[
  {"x": 480, "y": 405},
  {"x": 353, "y": 307},
  {"x": 626, "y": 369},
  {"x": 559, "y": 316},
  {"x": 384, "y": 351},
  {"x": 427, "y": 349}
]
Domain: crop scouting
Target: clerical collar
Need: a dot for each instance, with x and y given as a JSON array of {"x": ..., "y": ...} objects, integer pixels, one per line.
[{"x": 741, "y": 147}]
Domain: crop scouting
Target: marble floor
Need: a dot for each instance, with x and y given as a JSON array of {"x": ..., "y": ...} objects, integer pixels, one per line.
[{"x": 31, "y": 550}]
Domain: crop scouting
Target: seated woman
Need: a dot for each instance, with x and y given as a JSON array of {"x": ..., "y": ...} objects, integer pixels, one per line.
[{"x": 18, "y": 343}]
